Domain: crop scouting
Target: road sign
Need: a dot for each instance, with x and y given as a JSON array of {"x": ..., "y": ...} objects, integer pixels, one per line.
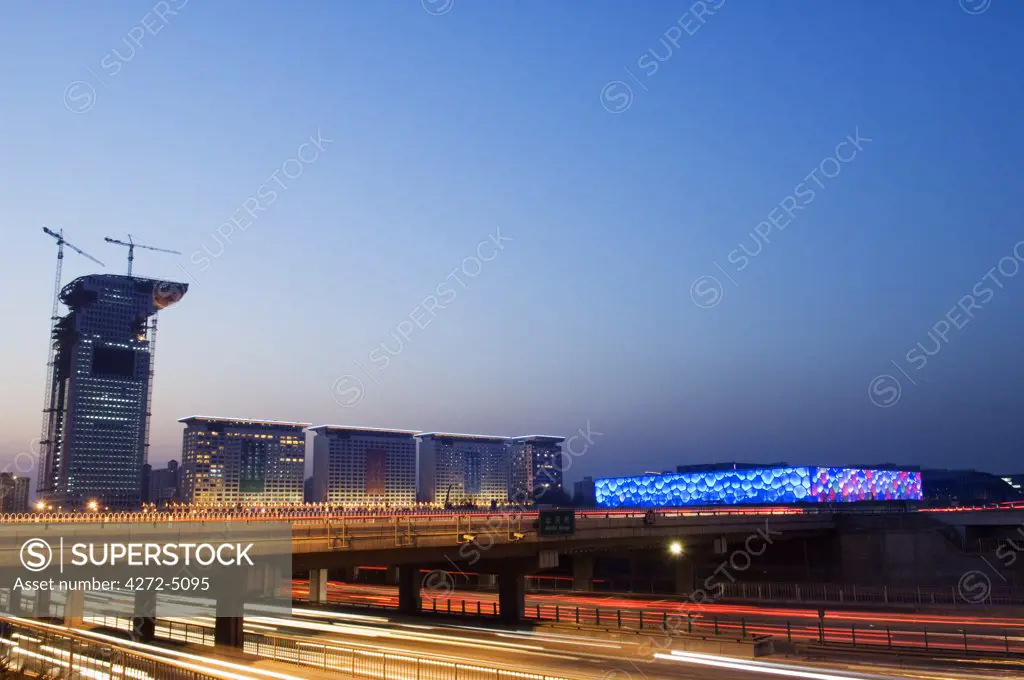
[{"x": 557, "y": 522}]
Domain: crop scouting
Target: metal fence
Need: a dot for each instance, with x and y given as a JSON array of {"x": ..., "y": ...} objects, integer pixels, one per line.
[
  {"x": 356, "y": 663},
  {"x": 813, "y": 593},
  {"x": 38, "y": 651},
  {"x": 691, "y": 619},
  {"x": 167, "y": 629},
  {"x": 379, "y": 665},
  {"x": 318, "y": 512}
]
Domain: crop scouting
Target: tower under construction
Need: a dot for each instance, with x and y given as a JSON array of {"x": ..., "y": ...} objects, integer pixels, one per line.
[{"x": 95, "y": 437}]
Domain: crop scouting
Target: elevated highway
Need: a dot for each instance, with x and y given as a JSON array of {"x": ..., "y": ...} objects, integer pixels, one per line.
[{"x": 507, "y": 544}]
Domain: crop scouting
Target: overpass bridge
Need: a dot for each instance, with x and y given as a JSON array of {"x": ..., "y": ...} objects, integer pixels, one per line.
[{"x": 506, "y": 544}]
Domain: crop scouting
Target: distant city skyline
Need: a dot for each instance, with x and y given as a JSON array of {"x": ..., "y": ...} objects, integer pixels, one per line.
[{"x": 541, "y": 218}]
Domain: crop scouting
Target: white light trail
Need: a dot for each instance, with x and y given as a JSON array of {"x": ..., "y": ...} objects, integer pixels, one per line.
[{"x": 760, "y": 667}]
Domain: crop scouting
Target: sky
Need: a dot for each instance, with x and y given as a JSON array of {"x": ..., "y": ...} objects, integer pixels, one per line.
[{"x": 698, "y": 232}]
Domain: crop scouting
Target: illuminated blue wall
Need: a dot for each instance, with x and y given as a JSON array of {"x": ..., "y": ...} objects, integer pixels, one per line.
[{"x": 764, "y": 486}]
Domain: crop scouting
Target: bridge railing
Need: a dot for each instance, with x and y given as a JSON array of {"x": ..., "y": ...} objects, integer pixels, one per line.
[
  {"x": 691, "y": 619},
  {"x": 811, "y": 593},
  {"x": 355, "y": 663},
  {"x": 37, "y": 650},
  {"x": 320, "y": 513},
  {"x": 361, "y": 663}
]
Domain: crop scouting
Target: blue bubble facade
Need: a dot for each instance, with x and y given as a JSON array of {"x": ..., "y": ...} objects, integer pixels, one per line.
[{"x": 763, "y": 486}]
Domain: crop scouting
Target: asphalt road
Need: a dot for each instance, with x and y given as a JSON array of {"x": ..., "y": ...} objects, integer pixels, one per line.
[
  {"x": 923, "y": 631},
  {"x": 562, "y": 654}
]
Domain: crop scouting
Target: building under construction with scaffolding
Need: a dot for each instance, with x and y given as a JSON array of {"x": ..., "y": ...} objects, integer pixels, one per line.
[{"x": 97, "y": 411}]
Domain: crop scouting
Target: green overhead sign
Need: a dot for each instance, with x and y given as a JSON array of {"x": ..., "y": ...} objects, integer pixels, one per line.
[{"x": 557, "y": 522}]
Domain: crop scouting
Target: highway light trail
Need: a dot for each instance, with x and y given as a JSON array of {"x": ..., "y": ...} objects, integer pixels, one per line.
[
  {"x": 785, "y": 670},
  {"x": 203, "y": 664},
  {"x": 897, "y": 629},
  {"x": 332, "y": 641}
]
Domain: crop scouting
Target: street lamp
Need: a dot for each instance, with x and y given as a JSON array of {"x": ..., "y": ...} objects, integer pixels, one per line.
[
  {"x": 675, "y": 548},
  {"x": 93, "y": 505}
]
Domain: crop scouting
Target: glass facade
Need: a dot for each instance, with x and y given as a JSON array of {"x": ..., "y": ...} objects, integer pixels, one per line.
[
  {"x": 761, "y": 486},
  {"x": 96, "y": 433}
]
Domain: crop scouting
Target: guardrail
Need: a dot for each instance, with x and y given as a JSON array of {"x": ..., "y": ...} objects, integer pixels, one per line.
[
  {"x": 271, "y": 514},
  {"x": 689, "y": 618},
  {"x": 825, "y": 593},
  {"x": 357, "y": 663},
  {"x": 36, "y": 650},
  {"x": 317, "y": 512}
]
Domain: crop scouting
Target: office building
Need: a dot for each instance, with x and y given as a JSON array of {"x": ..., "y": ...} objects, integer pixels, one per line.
[
  {"x": 584, "y": 493},
  {"x": 240, "y": 461},
  {"x": 364, "y": 466},
  {"x": 96, "y": 431},
  {"x": 459, "y": 469},
  {"x": 535, "y": 467},
  {"x": 163, "y": 483},
  {"x": 13, "y": 493}
]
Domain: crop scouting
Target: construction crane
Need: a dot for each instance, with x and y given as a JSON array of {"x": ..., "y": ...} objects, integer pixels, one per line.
[
  {"x": 132, "y": 245},
  {"x": 46, "y": 442}
]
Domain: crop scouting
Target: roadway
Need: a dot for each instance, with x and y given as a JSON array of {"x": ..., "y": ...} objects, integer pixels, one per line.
[
  {"x": 555, "y": 654},
  {"x": 571, "y": 655},
  {"x": 43, "y": 648},
  {"x": 914, "y": 630}
]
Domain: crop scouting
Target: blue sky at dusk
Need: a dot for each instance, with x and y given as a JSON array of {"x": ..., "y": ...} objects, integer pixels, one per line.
[{"x": 624, "y": 152}]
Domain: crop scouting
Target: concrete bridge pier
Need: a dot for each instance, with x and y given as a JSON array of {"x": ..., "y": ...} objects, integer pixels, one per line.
[
  {"x": 265, "y": 579},
  {"x": 582, "y": 571},
  {"x": 409, "y": 583},
  {"x": 227, "y": 631},
  {"x": 74, "y": 608},
  {"x": 228, "y": 626},
  {"x": 14, "y": 601},
  {"x": 144, "y": 616},
  {"x": 511, "y": 595},
  {"x": 317, "y": 586},
  {"x": 347, "y": 574},
  {"x": 685, "y": 575},
  {"x": 41, "y": 607}
]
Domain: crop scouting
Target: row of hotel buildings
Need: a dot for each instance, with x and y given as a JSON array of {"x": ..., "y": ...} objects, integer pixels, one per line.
[
  {"x": 241, "y": 461},
  {"x": 95, "y": 437}
]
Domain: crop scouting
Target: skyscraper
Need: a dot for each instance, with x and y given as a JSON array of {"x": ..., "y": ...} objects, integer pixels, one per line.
[
  {"x": 361, "y": 466},
  {"x": 237, "y": 460},
  {"x": 96, "y": 432},
  {"x": 463, "y": 468},
  {"x": 536, "y": 467}
]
